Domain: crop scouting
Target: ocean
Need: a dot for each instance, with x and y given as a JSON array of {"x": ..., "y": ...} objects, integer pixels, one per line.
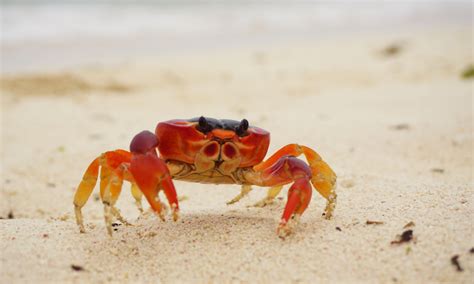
[{"x": 37, "y": 35}]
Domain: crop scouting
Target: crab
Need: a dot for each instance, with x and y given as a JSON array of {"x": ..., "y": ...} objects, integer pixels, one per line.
[{"x": 206, "y": 150}]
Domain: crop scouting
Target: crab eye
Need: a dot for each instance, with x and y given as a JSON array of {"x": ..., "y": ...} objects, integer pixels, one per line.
[
  {"x": 203, "y": 125},
  {"x": 242, "y": 128},
  {"x": 202, "y": 121}
]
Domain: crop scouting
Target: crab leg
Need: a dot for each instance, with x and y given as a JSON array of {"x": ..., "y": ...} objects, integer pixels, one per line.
[
  {"x": 272, "y": 193},
  {"x": 323, "y": 177},
  {"x": 137, "y": 194},
  {"x": 111, "y": 187},
  {"x": 84, "y": 190},
  {"x": 243, "y": 192},
  {"x": 113, "y": 166}
]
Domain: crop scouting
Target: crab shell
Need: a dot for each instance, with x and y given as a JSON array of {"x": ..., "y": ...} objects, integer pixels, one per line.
[{"x": 221, "y": 147}]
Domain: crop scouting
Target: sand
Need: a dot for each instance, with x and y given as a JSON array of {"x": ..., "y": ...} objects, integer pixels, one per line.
[{"x": 390, "y": 113}]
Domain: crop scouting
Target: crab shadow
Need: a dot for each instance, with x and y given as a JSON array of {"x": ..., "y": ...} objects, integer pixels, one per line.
[
  {"x": 208, "y": 225},
  {"x": 199, "y": 227},
  {"x": 195, "y": 239}
]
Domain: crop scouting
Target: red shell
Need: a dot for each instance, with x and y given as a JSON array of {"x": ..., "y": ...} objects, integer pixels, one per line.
[{"x": 181, "y": 141}]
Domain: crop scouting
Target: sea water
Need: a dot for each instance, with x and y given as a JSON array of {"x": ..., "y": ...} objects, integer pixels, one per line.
[{"x": 39, "y": 35}]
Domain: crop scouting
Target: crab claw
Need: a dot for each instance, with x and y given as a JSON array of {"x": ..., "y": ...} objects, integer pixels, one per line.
[
  {"x": 299, "y": 196},
  {"x": 144, "y": 142},
  {"x": 151, "y": 173},
  {"x": 323, "y": 177}
]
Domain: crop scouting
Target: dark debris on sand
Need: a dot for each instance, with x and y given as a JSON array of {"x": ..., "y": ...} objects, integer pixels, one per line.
[
  {"x": 455, "y": 262},
  {"x": 77, "y": 267},
  {"x": 405, "y": 237}
]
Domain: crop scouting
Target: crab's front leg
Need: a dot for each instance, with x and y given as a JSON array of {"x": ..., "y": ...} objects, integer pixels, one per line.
[
  {"x": 323, "y": 177},
  {"x": 283, "y": 168},
  {"x": 151, "y": 173},
  {"x": 287, "y": 169}
]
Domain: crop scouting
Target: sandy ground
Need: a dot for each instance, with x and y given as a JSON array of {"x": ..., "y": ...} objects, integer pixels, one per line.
[{"x": 389, "y": 113}]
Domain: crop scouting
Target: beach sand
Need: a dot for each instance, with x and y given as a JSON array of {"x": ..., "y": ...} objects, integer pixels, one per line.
[{"x": 390, "y": 114}]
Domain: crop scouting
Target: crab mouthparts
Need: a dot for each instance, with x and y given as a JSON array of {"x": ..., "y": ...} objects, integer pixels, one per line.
[{"x": 220, "y": 150}]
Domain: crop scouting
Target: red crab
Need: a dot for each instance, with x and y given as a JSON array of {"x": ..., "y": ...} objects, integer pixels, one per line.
[{"x": 207, "y": 150}]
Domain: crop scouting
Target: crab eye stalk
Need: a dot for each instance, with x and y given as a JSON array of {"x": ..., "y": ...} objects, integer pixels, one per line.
[
  {"x": 203, "y": 125},
  {"x": 242, "y": 128},
  {"x": 244, "y": 124},
  {"x": 202, "y": 121}
]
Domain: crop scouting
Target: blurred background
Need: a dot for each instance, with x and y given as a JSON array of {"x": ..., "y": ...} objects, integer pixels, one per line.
[{"x": 38, "y": 35}]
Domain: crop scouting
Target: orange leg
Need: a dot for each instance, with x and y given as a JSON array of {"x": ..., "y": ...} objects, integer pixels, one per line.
[
  {"x": 137, "y": 194},
  {"x": 323, "y": 177},
  {"x": 272, "y": 193},
  {"x": 111, "y": 186},
  {"x": 112, "y": 166},
  {"x": 84, "y": 190}
]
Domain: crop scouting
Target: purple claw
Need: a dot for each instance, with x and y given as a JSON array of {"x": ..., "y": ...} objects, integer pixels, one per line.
[{"x": 143, "y": 142}]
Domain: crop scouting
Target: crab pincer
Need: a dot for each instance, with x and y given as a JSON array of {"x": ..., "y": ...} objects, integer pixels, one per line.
[
  {"x": 284, "y": 170},
  {"x": 151, "y": 173},
  {"x": 299, "y": 196}
]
